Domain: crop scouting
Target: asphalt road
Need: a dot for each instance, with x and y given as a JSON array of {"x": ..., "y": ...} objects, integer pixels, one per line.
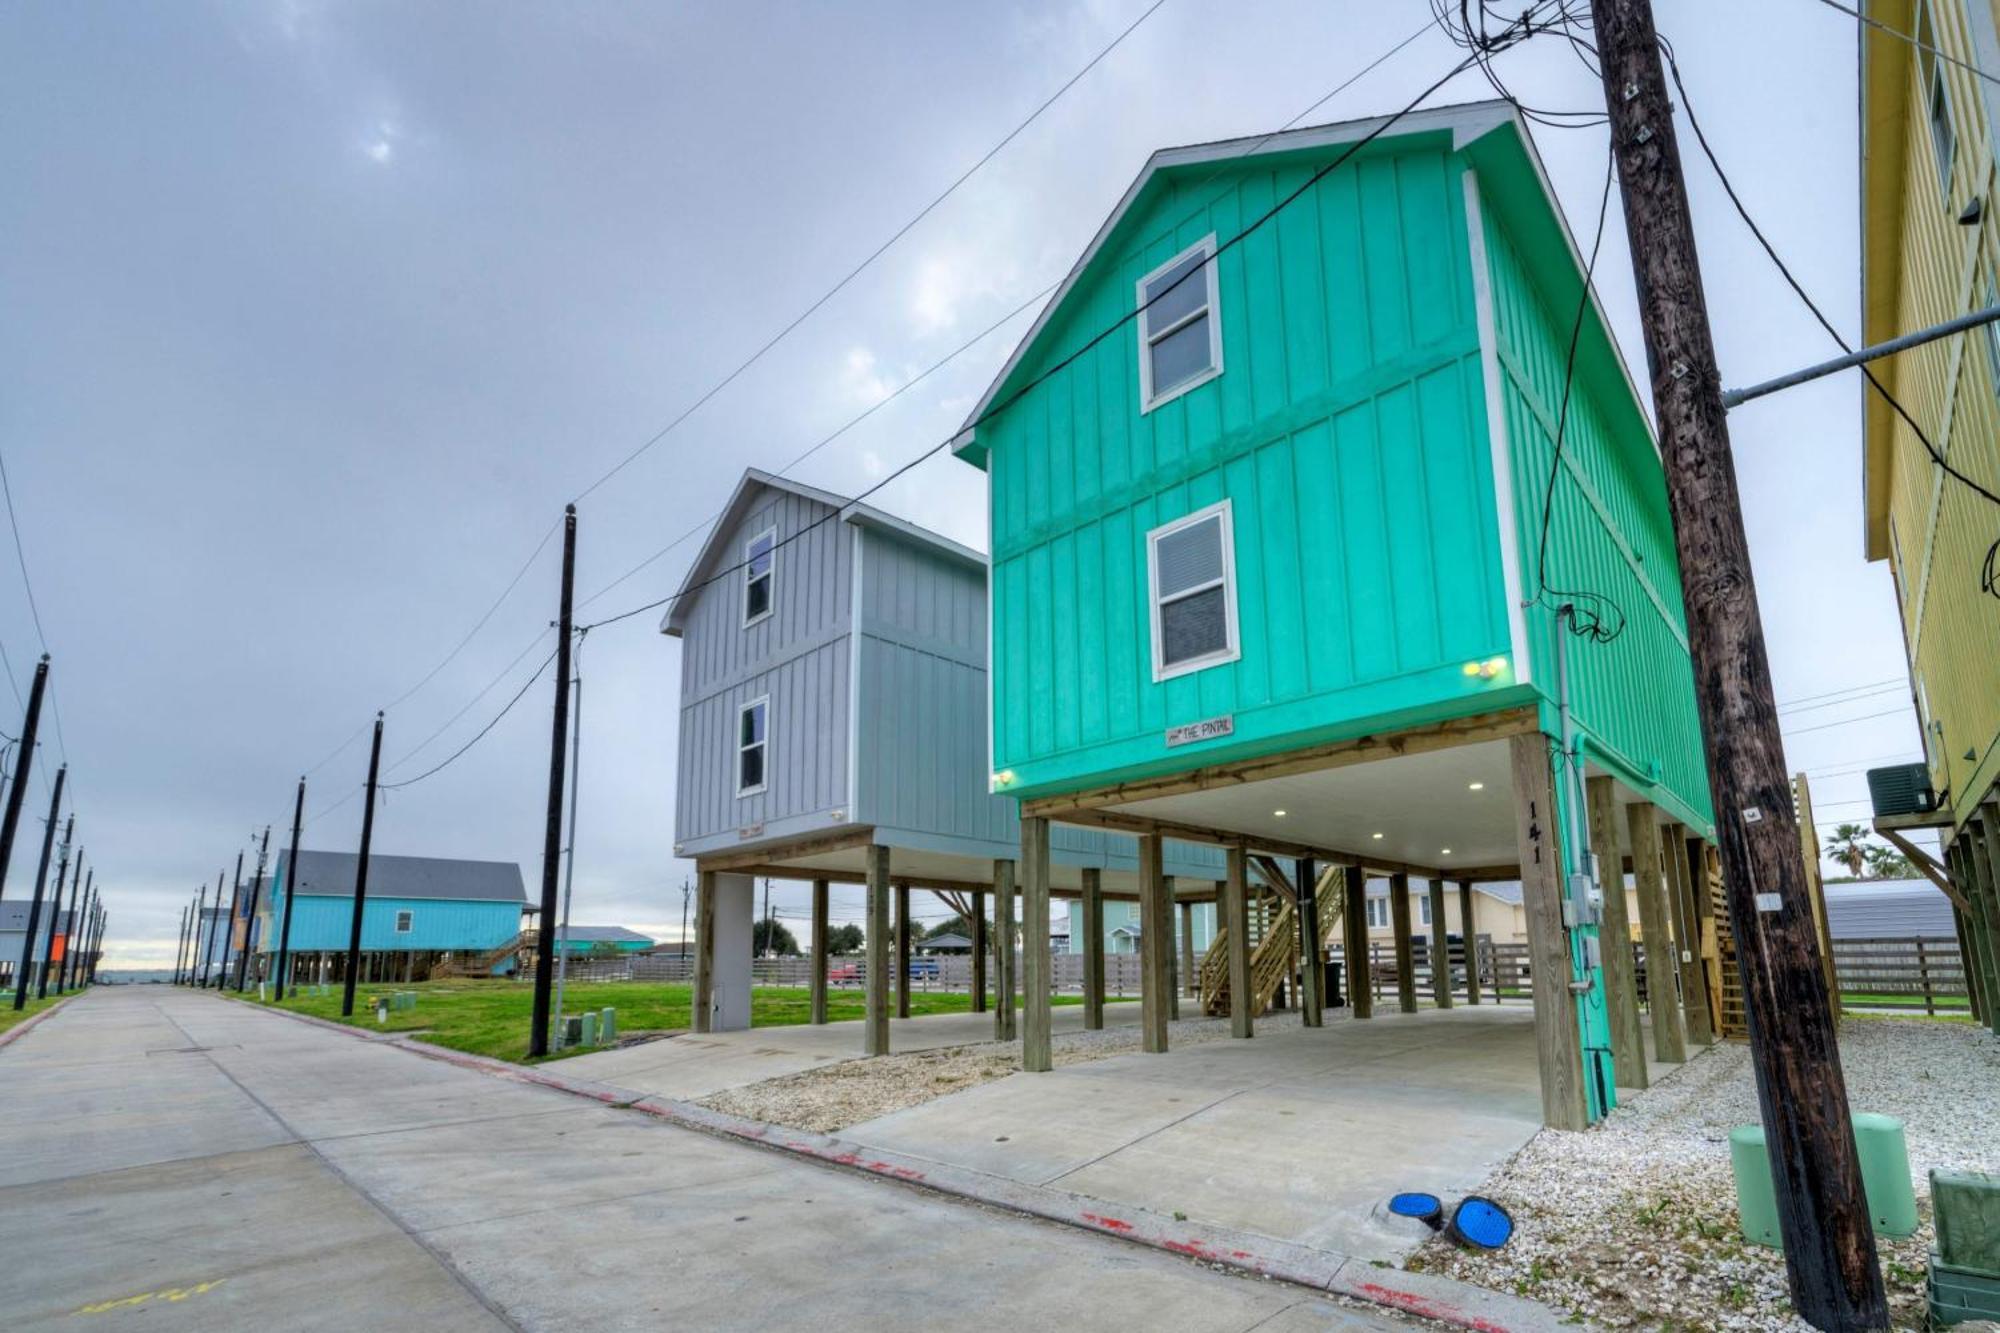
[{"x": 176, "y": 1160}]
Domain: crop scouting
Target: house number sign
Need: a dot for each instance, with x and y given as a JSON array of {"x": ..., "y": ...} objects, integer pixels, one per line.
[{"x": 1207, "y": 729}]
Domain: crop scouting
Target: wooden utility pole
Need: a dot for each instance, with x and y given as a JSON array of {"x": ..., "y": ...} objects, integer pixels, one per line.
[
  {"x": 280, "y": 975},
  {"x": 79, "y": 906},
  {"x": 229, "y": 922},
  {"x": 58, "y": 919},
  {"x": 35, "y": 904},
  {"x": 180, "y": 947},
  {"x": 250, "y": 915},
  {"x": 1836, "y": 1283},
  {"x": 545, "y": 934},
  {"x": 197, "y": 953},
  {"x": 360, "y": 875},
  {"x": 91, "y": 910},
  {"x": 11, "y": 821}
]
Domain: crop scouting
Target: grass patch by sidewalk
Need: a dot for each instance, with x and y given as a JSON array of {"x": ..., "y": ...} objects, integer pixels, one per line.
[
  {"x": 9, "y": 1015},
  {"x": 491, "y": 1017}
]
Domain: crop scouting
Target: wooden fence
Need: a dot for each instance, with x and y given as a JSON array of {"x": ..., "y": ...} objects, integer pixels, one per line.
[{"x": 1907, "y": 972}]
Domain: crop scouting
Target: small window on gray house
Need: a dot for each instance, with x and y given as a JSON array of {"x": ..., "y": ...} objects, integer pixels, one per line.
[
  {"x": 759, "y": 557},
  {"x": 1378, "y": 914},
  {"x": 1193, "y": 570},
  {"x": 1180, "y": 332},
  {"x": 750, "y": 746},
  {"x": 404, "y": 921}
]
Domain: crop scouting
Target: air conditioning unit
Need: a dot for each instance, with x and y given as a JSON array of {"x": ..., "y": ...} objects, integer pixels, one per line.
[{"x": 1904, "y": 789}]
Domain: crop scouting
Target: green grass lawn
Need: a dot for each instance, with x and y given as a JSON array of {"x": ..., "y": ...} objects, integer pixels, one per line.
[
  {"x": 9, "y": 1016},
  {"x": 491, "y": 1017}
]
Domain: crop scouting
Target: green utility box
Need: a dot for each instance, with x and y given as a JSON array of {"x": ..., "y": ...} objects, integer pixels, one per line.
[
  {"x": 1967, "y": 1207},
  {"x": 589, "y": 1029},
  {"x": 607, "y": 1026},
  {"x": 1885, "y": 1177},
  {"x": 1957, "y": 1295}
]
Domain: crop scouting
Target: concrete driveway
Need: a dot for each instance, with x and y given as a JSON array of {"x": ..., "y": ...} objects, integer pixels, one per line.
[
  {"x": 174, "y": 1160},
  {"x": 1300, "y": 1134}
]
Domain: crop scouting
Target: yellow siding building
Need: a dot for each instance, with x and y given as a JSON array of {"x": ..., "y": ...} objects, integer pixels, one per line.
[{"x": 1930, "y": 252}]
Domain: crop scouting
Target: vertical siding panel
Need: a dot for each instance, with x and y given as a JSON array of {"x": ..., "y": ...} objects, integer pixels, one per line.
[
  {"x": 1323, "y": 565},
  {"x": 1407, "y": 501},
  {"x": 1281, "y": 583},
  {"x": 1263, "y": 312},
  {"x": 1304, "y": 298},
  {"x": 1365, "y": 543}
]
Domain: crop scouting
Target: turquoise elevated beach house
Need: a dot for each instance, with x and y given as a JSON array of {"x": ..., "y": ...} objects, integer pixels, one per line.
[
  {"x": 420, "y": 911},
  {"x": 1267, "y": 557}
]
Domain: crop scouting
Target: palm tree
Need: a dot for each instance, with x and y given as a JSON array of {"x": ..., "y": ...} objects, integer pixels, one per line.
[{"x": 1848, "y": 846}]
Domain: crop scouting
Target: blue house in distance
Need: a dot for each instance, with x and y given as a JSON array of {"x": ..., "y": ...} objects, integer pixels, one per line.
[{"x": 421, "y": 912}]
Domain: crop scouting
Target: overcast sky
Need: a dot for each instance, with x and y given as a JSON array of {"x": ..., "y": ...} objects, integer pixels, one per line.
[{"x": 317, "y": 313}]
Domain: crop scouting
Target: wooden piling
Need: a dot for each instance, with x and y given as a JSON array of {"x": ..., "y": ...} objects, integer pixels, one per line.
[
  {"x": 1236, "y": 889},
  {"x": 1538, "y": 838},
  {"x": 1468, "y": 928},
  {"x": 819, "y": 914},
  {"x": 1037, "y": 1019},
  {"x": 1173, "y": 954},
  {"x": 1662, "y": 971},
  {"x": 1312, "y": 949},
  {"x": 1156, "y": 946},
  {"x": 702, "y": 1017},
  {"x": 980, "y": 937},
  {"x": 902, "y": 950},
  {"x": 1004, "y": 1016},
  {"x": 1354, "y": 943},
  {"x": 1614, "y": 939},
  {"x": 875, "y": 1023},
  {"x": 1190, "y": 975},
  {"x": 1093, "y": 943},
  {"x": 1406, "y": 961},
  {"x": 1440, "y": 948},
  {"x": 1687, "y": 951}
]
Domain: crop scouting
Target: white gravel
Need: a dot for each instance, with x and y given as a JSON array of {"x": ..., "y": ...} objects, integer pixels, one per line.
[
  {"x": 832, "y": 1097},
  {"x": 1634, "y": 1223}
]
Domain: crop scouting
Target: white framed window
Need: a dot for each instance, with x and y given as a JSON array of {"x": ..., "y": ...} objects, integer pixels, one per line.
[
  {"x": 1944, "y": 141},
  {"x": 404, "y": 920},
  {"x": 1424, "y": 910},
  {"x": 1180, "y": 325},
  {"x": 1191, "y": 563},
  {"x": 760, "y": 568},
  {"x": 1378, "y": 914},
  {"x": 751, "y": 745}
]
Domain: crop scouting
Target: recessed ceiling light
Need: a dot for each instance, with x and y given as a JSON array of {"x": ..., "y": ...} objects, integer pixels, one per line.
[
  {"x": 1278, "y": 813},
  {"x": 1377, "y": 835},
  {"x": 1445, "y": 852},
  {"x": 1475, "y": 786}
]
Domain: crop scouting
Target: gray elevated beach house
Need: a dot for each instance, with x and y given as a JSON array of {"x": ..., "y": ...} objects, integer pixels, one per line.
[{"x": 833, "y": 729}]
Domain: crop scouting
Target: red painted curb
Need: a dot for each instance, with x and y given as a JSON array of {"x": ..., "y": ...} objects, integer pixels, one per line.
[{"x": 20, "y": 1029}]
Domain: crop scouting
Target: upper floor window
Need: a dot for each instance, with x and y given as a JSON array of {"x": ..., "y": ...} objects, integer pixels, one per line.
[
  {"x": 750, "y": 746},
  {"x": 404, "y": 920},
  {"x": 1378, "y": 914},
  {"x": 1424, "y": 911},
  {"x": 1944, "y": 142},
  {"x": 1180, "y": 329},
  {"x": 759, "y": 573},
  {"x": 1193, "y": 569}
]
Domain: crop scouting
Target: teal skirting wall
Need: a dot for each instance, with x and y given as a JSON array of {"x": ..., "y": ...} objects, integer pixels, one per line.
[{"x": 435, "y": 924}]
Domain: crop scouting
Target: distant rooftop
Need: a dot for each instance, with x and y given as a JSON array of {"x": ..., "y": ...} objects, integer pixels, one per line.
[
  {"x": 331, "y": 875},
  {"x": 605, "y": 935}
]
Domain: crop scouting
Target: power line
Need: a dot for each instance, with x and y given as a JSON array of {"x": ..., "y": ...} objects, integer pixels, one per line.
[
  {"x": 1912, "y": 39},
  {"x": 1850, "y": 689},
  {"x": 1847, "y": 722},
  {"x": 477, "y": 736},
  {"x": 424, "y": 744},
  {"x": 1840, "y": 703},
  {"x": 1525, "y": 28},
  {"x": 875, "y": 254},
  {"x": 1005, "y": 319},
  {"x": 1990, "y": 572}
]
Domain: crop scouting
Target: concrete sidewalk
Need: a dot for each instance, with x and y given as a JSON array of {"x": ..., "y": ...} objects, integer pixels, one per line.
[
  {"x": 181, "y": 1159},
  {"x": 691, "y": 1066}
]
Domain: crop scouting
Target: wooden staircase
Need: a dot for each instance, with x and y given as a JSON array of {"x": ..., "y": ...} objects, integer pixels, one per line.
[
  {"x": 1274, "y": 945},
  {"x": 477, "y": 964}
]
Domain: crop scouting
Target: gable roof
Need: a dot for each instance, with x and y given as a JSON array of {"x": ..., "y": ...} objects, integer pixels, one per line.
[
  {"x": 754, "y": 483},
  {"x": 604, "y": 935},
  {"x": 331, "y": 875},
  {"x": 1466, "y": 123}
]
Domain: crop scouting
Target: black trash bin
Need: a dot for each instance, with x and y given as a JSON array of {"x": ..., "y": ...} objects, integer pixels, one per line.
[{"x": 1335, "y": 997}]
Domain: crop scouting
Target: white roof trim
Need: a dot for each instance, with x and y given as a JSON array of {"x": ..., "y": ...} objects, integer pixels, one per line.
[
  {"x": 851, "y": 511},
  {"x": 1467, "y": 121}
]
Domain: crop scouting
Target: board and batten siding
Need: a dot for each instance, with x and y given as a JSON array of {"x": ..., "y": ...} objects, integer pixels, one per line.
[
  {"x": 455, "y": 924},
  {"x": 1347, "y": 430},
  {"x": 798, "y": 656},
  {"x": 1609, "y": 534}
]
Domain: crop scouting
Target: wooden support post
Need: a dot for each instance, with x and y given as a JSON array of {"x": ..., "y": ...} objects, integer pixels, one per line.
[
  {"x": 1036, "y": 1017},
  {"x": 1236, "y": 889},
  {"x": 1687, "y": 950},
  {"x": 1173, "y": 954},
  {"x": 1468, "y": 927},
  {"x": 1983, "y": 857},
  {"x": 1975, "y": 1000},
  {"x": 1406, "y": 960},
  {"x": 1156, "y": 946},
  {"x": 703, "y": 1003},
  {"x": 980, "y": 936},
  {"x": 1312, "y": 949},
  {"x": 1662, "y": 972},
  {"x": 821, "y": 891},
  {"x": 1093, "y": 942},
  {"x": 1004, "y": 1024},
  {"x": 1558, "y": 1036},
  {"x": 1614, "y": 938},
  {"x": 902, "y": 950},
  {"x": 875, "y": 1022},
  {"x": 1354, "y": 943},
  {"x": 1190, "y": 974},
  {"x": 1440, "y": 948}
]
